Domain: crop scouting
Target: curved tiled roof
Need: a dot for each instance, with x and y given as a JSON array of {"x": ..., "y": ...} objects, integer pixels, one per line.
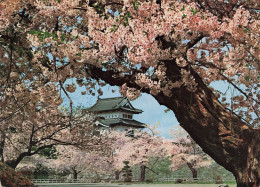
[
  {"x": 111, "y": 104},
  {"x": 120, "y": 121}
]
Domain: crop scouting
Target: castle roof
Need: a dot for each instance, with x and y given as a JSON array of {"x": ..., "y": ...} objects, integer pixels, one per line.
[
  {"x": 119, "y": 121},
  {"x": 114, "y": 104}
]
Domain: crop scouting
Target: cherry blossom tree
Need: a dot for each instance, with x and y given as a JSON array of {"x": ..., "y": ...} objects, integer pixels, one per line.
[
  {"x": 70, "y": 160},
  {"x": 31, "y": 131},
  {"x": 187, "y": 152},
  {"x": 173, "y": 50},
  {"x": 191, "y": 154},
  {"x": 74, "y": 160},
  {"x": 137, "y": 150}
]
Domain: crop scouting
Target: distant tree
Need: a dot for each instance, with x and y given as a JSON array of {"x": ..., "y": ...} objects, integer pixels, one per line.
[
  {"x": 188, "y": 153},
  {"x": 137, "y": 150},
  {"x": 192, "y": 155},
  {"x": 41, "y": 171},
  {"x": 161, "y": 166},
  {"x": 74, "y": 160},
  {"x": 127, "y": 172}
]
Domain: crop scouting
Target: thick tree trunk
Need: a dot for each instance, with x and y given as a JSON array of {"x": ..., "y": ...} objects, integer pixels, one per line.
[
  {"x": 142, "y": 173},
  {"x": 226, "y": 138},
  {"x": 249, "y": 173},
  {"x": 14, "y": 163},
  {"x": 221, "y": 134}
]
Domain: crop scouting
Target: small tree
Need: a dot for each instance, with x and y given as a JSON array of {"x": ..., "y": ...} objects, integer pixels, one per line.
[
  {"x": 127, "y": 172},
  {"x": 136, "y": 150},
  {"x": 187, "y": 152},
  {"x": 75, "y": 161}
]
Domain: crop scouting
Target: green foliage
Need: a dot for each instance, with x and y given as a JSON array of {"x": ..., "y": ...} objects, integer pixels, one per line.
[
  {"x": 41, "y": 172},
  {"x": 127, "y": 172},
  {"x": 49, "y": 153},
  {"x": 113, "y": 28},
  {"x": 20, "y": 51},
  {"x": 123, "y": 19},
  {"x": 63, "y": 37},
  {"x": 210, "y": 172},
  {"x": 126, "y": 18},
  {"x": 33, "y": 32},
  {"x": 194, "y": 11},
  {"x": 160, "y": 166},
  {"x": 98, "y": 7},
  {"x": 42, "y": 35},
  {"x": 145, "y": 32},
  {"x": 136, "y": 4}
]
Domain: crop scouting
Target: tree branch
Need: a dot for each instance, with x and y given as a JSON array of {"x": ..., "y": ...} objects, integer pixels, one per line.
[
  {"x": 15, "y": 111},
  {"x": 152, "y": 170},
  {"x": 239, "y": 89},
  {"x": 192, "y": 43},
  {"x": 66, "y": 93}
]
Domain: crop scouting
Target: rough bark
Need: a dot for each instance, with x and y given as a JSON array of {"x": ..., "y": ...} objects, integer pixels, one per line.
[
  {"x": 142, "y": 173},
  {"x": 14, "y": 163},
  {"x": 221, "y": 134}
]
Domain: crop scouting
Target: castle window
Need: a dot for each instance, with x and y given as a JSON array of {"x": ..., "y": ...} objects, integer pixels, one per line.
[{"x": 127, "y": 116}]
